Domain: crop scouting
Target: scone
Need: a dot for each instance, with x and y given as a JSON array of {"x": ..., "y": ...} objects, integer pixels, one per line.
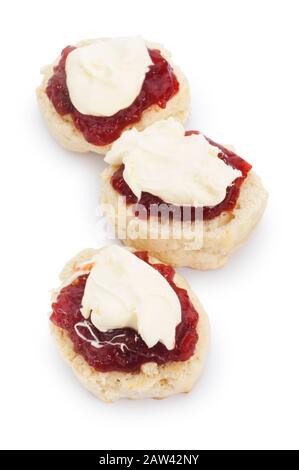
[
  {"x": 180, "y": 196},
  {"x": 129, "y": 325},
  {"x": 101, "y": 87}
]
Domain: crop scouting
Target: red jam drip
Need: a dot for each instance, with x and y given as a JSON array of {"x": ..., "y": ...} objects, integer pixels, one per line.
[
  {"x": 123, "y": 349},
  {"x": 159, "y": 85},
  {"x": 147, "y": 200}
]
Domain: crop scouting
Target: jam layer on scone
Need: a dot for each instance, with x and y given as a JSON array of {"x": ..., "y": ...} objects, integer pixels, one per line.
[
  {"x": 228, "y": 204},
  {"x": 159, "y": 86},
  {"x": 123, "y": 349}
]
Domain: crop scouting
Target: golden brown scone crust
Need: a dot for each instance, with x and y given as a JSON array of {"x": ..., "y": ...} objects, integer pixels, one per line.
[
  {"x": 64, "y": 131},
  {"x": 153, "y": 381},
  {"x": 221, "y": 235}
]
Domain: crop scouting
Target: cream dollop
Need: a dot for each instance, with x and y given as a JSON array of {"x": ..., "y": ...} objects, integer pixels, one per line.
[
  {"x": 106, "y": 75},
  {"x": 124, "y": 291},
  {"x": 181, "y": 170}
]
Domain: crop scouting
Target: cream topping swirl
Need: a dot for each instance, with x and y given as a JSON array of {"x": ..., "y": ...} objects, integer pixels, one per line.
[
  {"x": 106, "y": 75},
  {"x": 124, "y": 291},
  {"x": 181, "y": 170}
]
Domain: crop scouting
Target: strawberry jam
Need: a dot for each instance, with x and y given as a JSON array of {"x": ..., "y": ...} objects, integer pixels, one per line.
[
  {"x": 147, "y": 200},
  {"x": 159, "y": 85},
  {"x": 123, "y": 349}
]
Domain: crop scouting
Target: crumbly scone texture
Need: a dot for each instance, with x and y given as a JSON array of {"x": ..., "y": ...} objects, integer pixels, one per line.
[
  {"x": 65, "y": 132},
  {"x": 153, "y": 381},
  {"x": 205, "y": 247}
]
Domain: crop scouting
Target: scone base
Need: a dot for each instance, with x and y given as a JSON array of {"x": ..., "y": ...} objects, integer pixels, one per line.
[
  {"x": 221, "y": 235},
  {"x": 153, "y": 381}
]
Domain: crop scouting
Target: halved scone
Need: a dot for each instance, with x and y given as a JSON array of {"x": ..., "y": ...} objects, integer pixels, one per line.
[
  {"x": 145, "y": 175},
  {"x": 76, "y": 92},
  {"x": 123, "y": 362}
]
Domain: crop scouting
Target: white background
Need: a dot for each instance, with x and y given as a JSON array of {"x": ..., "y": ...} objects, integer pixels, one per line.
[{"x": 242, "y": 62}]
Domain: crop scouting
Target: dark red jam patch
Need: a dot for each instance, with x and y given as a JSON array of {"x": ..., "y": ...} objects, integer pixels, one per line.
[
  {"x": 148, "y": 200},
  {"x": 123, "y": 349},
  {"x": 160, "y": 84}
]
